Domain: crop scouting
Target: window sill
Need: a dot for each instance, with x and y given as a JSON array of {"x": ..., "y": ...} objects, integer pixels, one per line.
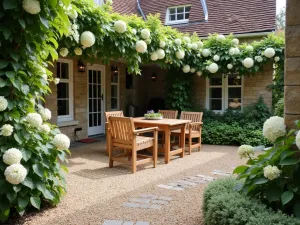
[
  {"x": 176, "y": 23},
  {"x": 68, "y": 123}
]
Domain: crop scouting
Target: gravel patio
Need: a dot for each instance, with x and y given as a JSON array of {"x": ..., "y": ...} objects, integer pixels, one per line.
[{"x": 100, "y": 195}]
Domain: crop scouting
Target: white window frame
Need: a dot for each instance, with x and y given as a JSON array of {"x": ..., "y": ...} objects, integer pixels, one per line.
[
  {"x": 168, "y": 22},
  {"x": 99, "y": 2},
  {"x": 224, "y": 87},
  {"x": 118, "y": 90},
  {"x": 69, "y": 117}
]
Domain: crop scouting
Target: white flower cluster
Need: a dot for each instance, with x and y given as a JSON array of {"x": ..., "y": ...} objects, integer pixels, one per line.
[
  {"x": 15, "y": 174},
  {"x": 87, "y": 39},
  {"x": 249, "y": 48},
  {"x": 120, "y": 26},
  {"x": 235, "y": 41},
  {"x": 199, "y": 73},
  {"x": 258, "y": 58},
  {"x": 145, "y": 34},
  {"x": 180, "y": 54},
  {"x": 141, "y": 46},
  {"x": 3, "y": 103},
  {"x": 229, "y": 66},
  {"x": 187, "y": 39},
  {"x": 245, "y": 150},
  {"x": 194, "y": 46},
  {"x": 276, "y": 59},
  {"x": 154, "y": 56},
  {"x": 206, "y": 52},
  {"x": 56, "y": 81},
  {"x": 31, "y": 6},
  {"x": 34, "y": 119},
  {"x": 44, "y": 112},
  {"x": 271, "y": 172},
  {"x": 63, "y": 52},
  {"x": 177, "y": 41},
  {"x": 186, "y": 68},
  {"x": 298, "y": 139},
  {"x": 12, "y": 156},
  {"x": 61, "y": 141},
  {"x": 44, "y": 128},
  {"x": 72, "y": 13},
  {"x": 158, "y": 54},
  {"x": 6, "y": 130},
  {"x": 200, "y": 44},
  {"x": 213, "y": 68},
  {"x": 133, "y": 31},
  {"x": 269, "y": 52},
  {"x": 78, "y": 51},
  {"x": 221, "y": 37},
  {"x": 73, "y": 32},
  {"x": 193, "y": 70},
  {"x": 248, "y": 62},
  {"x": 216, "y": 58},
  {"x": 162, "y": 44},
  {"x": 234, "y": 51},
  {"x": 274, "y": 128}
]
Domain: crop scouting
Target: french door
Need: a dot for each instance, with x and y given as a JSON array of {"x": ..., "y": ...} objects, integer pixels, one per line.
[{"x": 96, "y": 85}]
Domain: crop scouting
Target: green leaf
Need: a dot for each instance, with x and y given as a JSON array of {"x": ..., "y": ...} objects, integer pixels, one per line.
[
  {"x": 240, "y": 169},
  {"x": 3, "y": 64},
  {"x": 44, "y": 22},
  {"x": 23, "y": 201},
  {"x": 273, "y": 194},
  {"x": 28, "y": 183},
  {"x": 289, "y": 161},
  {"x": 38, "y": 169},
  {"x": 286, "y": 197},
  {"x": 261, "y": 180},
  {"x": 9, "y": 4},
  {"x": 35, "y": 202},
  {"x": 26, "y": 154},
  {"x": 296, "y": 209},
  {"x": 22, "y": 23},
  {"x": 17, "y": 138},
  {"x": 10, "y": 74},
  {"x": 53, "y": 3}
]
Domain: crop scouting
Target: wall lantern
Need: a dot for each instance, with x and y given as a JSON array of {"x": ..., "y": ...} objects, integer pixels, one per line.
[
  {"x": 81, "y": 66},
  {"x": 153, "y": 77}
]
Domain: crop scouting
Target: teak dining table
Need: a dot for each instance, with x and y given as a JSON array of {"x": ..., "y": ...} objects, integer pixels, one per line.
[{"x": 166, "y": 125}]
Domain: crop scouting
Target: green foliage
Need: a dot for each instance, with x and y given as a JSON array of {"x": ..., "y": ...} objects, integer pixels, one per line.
[
  {"x": 282, "y": 193},
  {"x": 222, "y": 205},
  {"x": 277, "y": 87},
  {"x": 279, "y": 108}
]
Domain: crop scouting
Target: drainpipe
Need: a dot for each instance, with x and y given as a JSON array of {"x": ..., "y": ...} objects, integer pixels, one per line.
[
  {"x": 204, "y": 6},
  {"x": 140, "y": 9}
]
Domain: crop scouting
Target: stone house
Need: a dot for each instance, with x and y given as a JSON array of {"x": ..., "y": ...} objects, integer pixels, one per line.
[{"x": 81, "y": 98}]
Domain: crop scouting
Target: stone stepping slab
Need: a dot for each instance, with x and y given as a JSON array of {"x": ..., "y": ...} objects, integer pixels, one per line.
[
  {"x": 121, "y": 222},
  {"x": 221, "y": 173},
  {"x": 187, "y": 182},
  {"x": 148, "y": 201}
]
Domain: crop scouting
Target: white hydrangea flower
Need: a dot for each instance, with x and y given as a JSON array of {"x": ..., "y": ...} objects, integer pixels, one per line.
[
  {"x": 32, "y": 100},
  {"x": 231, "y": 51},
  {"x": 276, "y": 59},
  {"x": 12, "y": 156},
  {"x": 45, "y": 113},
  {"x": 63, "y": 52},
  {"x": 44, "y": 76},
  {"x": 56, "y": 81},
  {"x": 221, "y": 37},
  {"x": 238, "y": 77},
  {"x": 72, "y": 14},
  {"x": 87, "y": 39},
  {"x": 199, "y": 73},
  {"x": 160, "y": 53},
  {"x": 186, "y": 68},
  {"x": 34, "y": 119},
  {"x": 269, "y": 52},
  {"x": 44, "y": 128},
  {"x": 213, "y": 68},
  {"x": 298, "y": 139},
  {"x": 206, "y": 52},
  {"x": 109, "y": 2},
  {"x": 141, "y": 46},
  {"x": 194, "y": 46},
  {"x": 274, "y": 128},
  {"x": 3, "y": 103},
  {"x": 145, "y": 33},
  {"x": 78, "y": 51},
  {"x": 235, "y": 41},
  {"x": 200, "y": 44},
  {"x": 237, "y": 51},
  {"x": 198, "y": 55},
  {"x": 177, "y": 41},
  {"x": 154, "y": 56},
  {"x": 15, "y": 174},
  {"x": 40, "y": 69},
  {"x": 31, "y": 6},
  {"x": 61, "y": 141},
  {"x": 148, "y": 41},
  {"x": 249, "y": 48},
  {"x": 180, "y": 54},
  {"x": 189, "y": 45},
  {"x": 216, "y": 58},
  {"x": 245, "y": 150},
  {"x": 133, "y": 31},
  {"x": 187, "y": 39},
  {"x": 271, "y": 172},
  {"x": 6, "y": 130},
  {"x": 248, "y": 62},
  {"x": 162, "y": 44},
  {"x": 258, "y": 58},
  {"x": 229, "y": 66},
  {"x": 193, "y": 70},
  {"x": 120, "y": 26}
]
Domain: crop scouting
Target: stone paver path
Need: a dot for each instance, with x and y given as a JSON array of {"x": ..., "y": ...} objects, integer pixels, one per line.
[
  {"x": 121, "y": 222},
  {"x": 221, "y": 173}
]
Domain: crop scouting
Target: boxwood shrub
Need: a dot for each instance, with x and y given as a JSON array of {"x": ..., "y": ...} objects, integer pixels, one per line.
[{"x": 222, "y": 205}]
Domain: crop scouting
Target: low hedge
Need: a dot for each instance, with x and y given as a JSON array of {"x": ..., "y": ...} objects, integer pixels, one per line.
[{"x": 224, "y": 206}]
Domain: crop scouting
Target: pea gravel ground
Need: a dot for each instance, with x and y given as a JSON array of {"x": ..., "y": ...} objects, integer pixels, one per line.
[{"x": 97, "y": 193}]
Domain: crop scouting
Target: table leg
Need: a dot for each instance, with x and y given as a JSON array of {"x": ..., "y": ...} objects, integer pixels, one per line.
[
  {"x": 182, "y": 140},
  {"x": 167, "y": 145}
]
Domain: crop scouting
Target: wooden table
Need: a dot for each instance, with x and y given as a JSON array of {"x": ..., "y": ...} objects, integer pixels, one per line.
[{"x": 166, "y": 125}]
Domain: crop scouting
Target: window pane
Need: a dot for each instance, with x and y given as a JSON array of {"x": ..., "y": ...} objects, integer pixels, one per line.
[
  {"x": 180, "y": 9},
  {"x": 180, "y": 16},
  {"x": 215, "y": 104},
  {"x": 95, "y": 90},
  {"x": 234, "y": 92},
  {"x": 63, "y": 107},
  {"x": 234, "y": 103},
  {"x": 172, "y": 10},
  {"x": 95, "y": 105},
  {"x": 215, "y": 81},
  {"x": 187, "y": 16},
  {"x": 234, "y": 81},
  {"x": 90, "y": 91},
  {"x": 187, "y": 8},
  {"x": 90, "y": 105},
  {"x": 114, "y": 103},
  {"x": 114, "y": 78},
  {"x": 215, "y": 93},
  {"x": 95, "y": 120},
  {"x": 90, "y": 76},
  {"x": 114, "y": 91},
  {"x": 99, "y": 77},
  {"x": 90, "y": 120},
  {"x": 94, "y": 76},
  {"x": 172, "y": 17},
  {"x": 99, "y": 119},
  {"x": 58, "y": 70},
  {"x": 63, "y": 90},
  {"x": 64, "y": 71}
]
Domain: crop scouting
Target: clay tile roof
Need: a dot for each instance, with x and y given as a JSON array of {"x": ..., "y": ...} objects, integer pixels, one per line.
[{"x": 224, "y": 16}]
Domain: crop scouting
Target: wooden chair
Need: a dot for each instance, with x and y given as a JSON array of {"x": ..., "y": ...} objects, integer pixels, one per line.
[
  {"x": 194, "y": 129},
  {"x": 169, "y": 114},
  {"x": 107, "y": 115},
  {"x": 124, "y": 135}
]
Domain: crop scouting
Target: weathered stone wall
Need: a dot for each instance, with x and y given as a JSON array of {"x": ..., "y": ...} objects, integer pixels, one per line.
[{"x": 292, "y": 63}]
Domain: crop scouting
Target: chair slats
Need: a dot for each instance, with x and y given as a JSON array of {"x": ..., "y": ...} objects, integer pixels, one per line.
[
  {"x": 193, "y": 116},
  {"x": 169, "y": 114}
]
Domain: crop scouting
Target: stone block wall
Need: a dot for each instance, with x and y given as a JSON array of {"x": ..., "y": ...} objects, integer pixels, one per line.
[{"x": 292, "y": 63}]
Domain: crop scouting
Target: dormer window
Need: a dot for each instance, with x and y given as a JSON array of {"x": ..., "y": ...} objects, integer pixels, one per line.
[{"x": 178, "y": 14}]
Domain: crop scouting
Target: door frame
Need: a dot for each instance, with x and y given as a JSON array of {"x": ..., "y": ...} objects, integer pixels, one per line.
[{"x": 103, "y": 87}]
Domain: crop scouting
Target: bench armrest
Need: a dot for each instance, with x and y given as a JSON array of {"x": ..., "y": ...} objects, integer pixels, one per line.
[{"x": 145, "y": 130}]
